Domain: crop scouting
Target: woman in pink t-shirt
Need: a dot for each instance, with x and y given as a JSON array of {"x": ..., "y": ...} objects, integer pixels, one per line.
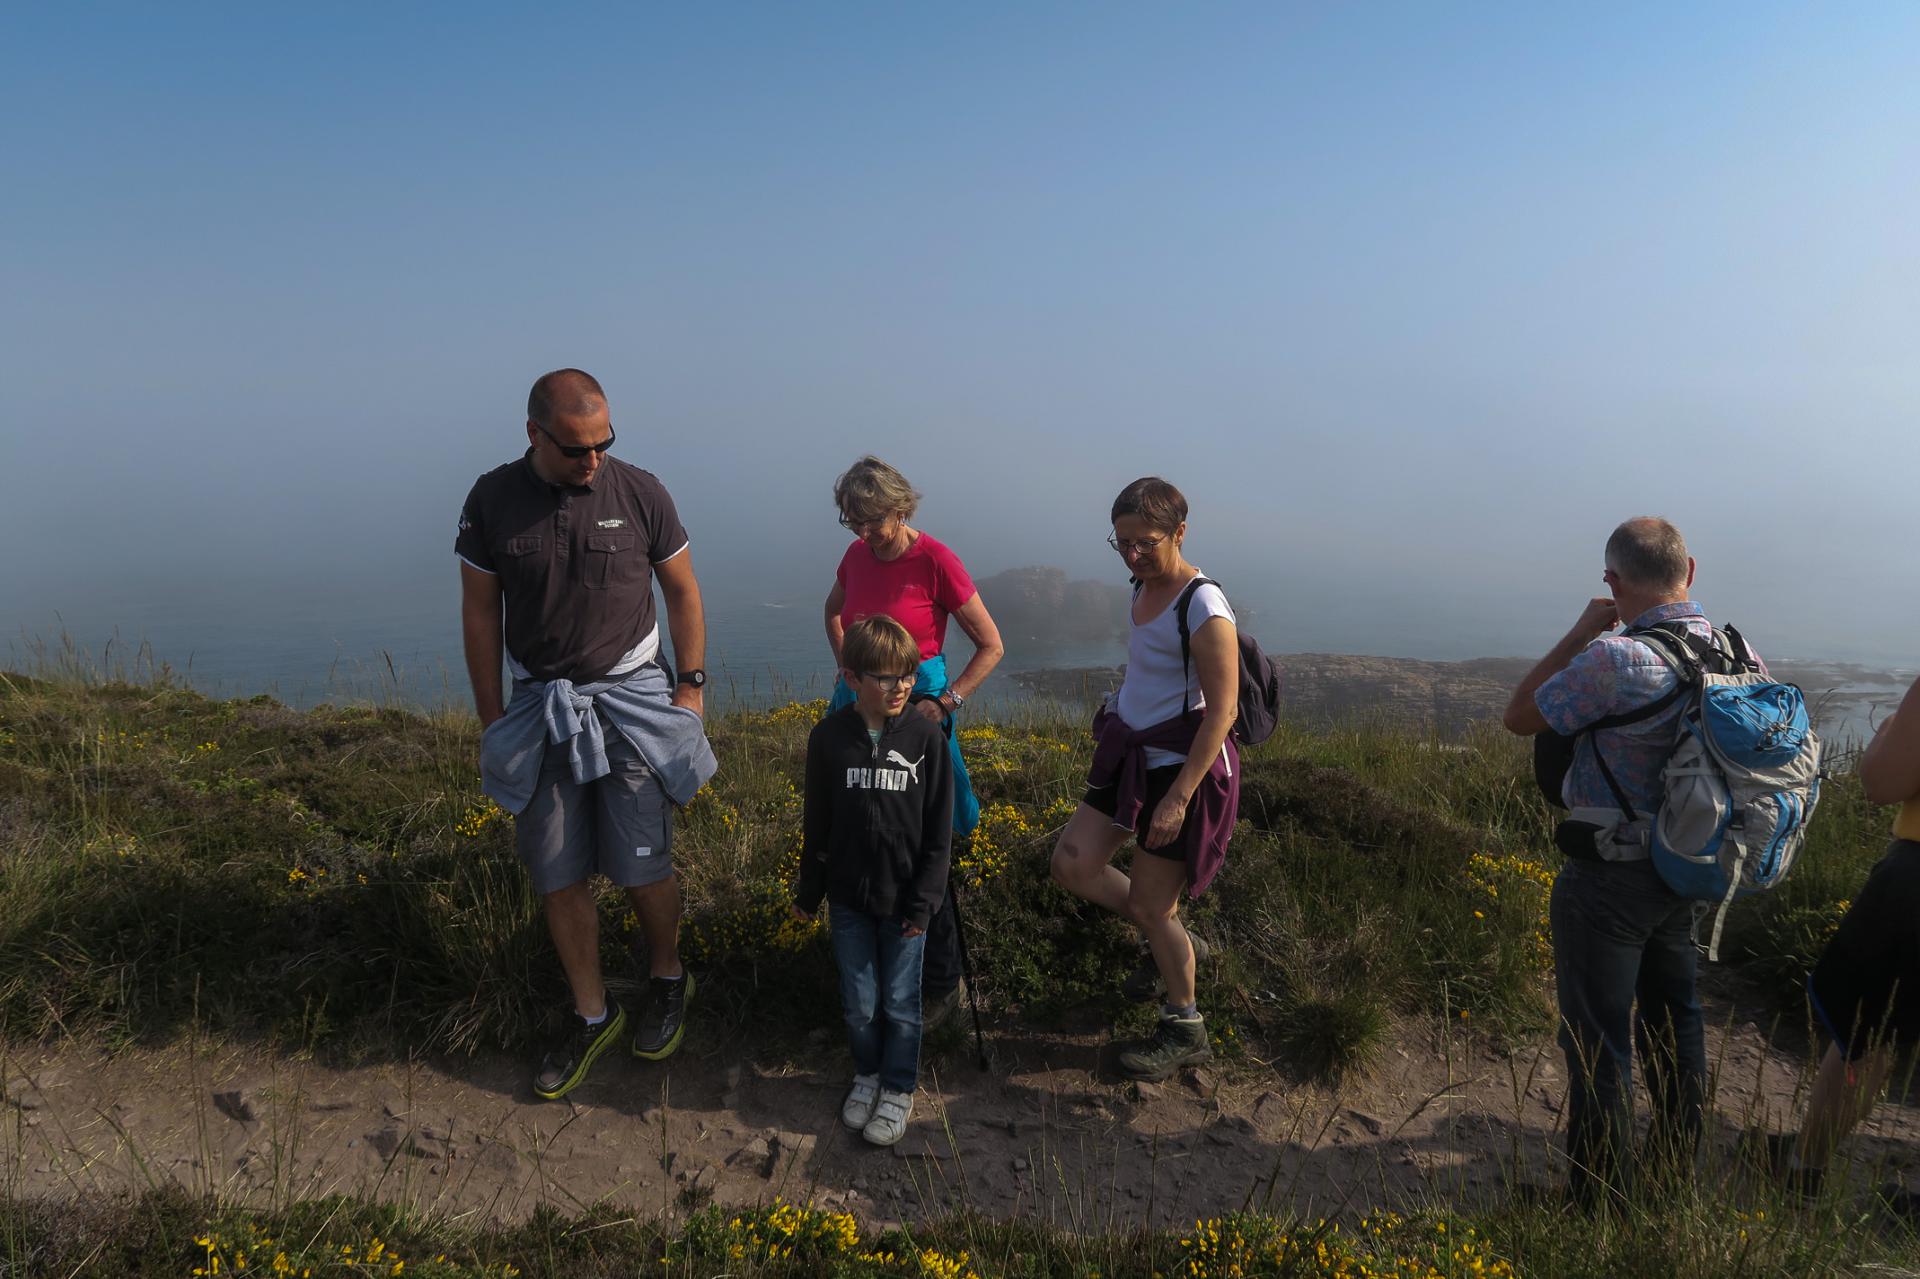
[{"x": 899, "y": 572}]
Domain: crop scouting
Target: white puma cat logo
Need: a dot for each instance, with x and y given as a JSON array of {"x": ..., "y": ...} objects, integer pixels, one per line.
[
  {"x": 893, "y": 779},
  {"x": 912, "y": 766}
]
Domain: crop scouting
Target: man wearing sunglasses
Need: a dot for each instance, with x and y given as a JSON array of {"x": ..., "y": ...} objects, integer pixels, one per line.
[{"x": 559, "y": 551}]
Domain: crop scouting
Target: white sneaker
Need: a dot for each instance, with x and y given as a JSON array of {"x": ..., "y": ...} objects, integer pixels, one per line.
[
  {"x": 858, "y": 1107},
  {"x": 889, "y": 1122}
]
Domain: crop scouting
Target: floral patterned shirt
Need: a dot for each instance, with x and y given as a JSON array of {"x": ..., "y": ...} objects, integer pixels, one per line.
[{"x": 1611, "y": 676}]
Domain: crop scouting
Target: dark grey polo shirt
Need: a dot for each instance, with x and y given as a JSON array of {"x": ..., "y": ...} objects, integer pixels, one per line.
[{"x": 575, "y": 564}]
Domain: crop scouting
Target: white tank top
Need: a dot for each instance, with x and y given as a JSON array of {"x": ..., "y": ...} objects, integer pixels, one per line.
[{"x": 1154, "y": 689}]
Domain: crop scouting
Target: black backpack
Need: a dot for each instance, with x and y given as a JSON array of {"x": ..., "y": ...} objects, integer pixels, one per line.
[{"x": 1259, "y": 703}]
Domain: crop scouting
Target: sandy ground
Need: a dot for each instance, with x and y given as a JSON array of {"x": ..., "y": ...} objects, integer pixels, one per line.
[{"x": 1049, "y": 1131}]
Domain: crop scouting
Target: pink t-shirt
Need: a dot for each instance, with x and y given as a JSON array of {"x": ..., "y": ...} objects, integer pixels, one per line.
[{"x": 918, "y": 590}]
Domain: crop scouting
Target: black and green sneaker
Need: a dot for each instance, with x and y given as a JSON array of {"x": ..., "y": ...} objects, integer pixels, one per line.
[
  {"x": 663, "y": 1022},
  {"x": 1176, "y": 1042},
  {"x": 567, "y": 1059}
]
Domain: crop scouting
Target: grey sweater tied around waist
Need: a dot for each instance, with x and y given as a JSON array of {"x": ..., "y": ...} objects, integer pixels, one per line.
[{"x": 560, "y": 713}]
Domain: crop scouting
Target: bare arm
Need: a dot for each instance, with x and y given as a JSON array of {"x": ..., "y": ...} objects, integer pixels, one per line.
[
  {"x": 1216, "y": 659},
  {"x": 480, "y": 634},
  {"x": 686, "y": 623},
  {"x": 1890, "y": 766},
  {"x": 987, "y": 649},
  {"x": 1523, "y": 715},
  {"x": 836, "y": 600}
]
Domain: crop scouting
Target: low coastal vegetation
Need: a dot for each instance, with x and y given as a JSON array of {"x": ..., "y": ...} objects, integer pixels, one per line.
[
  {"x": 171, "y": 1235},
  {"x": 333, "y": 881}
]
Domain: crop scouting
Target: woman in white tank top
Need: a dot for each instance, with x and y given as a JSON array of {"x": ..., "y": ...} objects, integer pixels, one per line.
[{"x": 1149, "y": 528}]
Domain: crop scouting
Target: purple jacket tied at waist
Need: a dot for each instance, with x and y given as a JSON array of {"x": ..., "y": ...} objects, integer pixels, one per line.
[{"x": 1120, "y": 756}]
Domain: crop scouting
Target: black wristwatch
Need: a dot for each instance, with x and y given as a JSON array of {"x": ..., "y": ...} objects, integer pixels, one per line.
[{"x": 695, "y": 677}]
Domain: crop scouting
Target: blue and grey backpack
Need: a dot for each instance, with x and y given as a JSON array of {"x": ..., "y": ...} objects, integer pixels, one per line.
[{"x": 1743, "y": 777}]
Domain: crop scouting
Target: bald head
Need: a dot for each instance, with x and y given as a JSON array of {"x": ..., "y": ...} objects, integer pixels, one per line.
[
  {"x": 1648, "y": 553},
  {"x": 564, "y": 393}
]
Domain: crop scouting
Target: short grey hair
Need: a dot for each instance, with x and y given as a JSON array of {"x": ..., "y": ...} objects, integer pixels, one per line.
[
  {"x": 870, "y": 489},
  {"x": 563, "y": 393},
  {"x": 1649, "y": 553}
]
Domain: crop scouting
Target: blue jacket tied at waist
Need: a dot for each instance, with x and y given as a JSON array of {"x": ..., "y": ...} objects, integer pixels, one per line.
[{"x": 559, "y": 713}]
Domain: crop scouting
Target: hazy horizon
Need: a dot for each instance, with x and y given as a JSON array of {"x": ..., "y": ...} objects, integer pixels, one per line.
[{"x": 1415, "y": 304}]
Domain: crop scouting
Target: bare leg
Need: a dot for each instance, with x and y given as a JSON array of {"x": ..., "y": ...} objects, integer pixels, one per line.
[
  {"x": 658, "y": 906},
  {"x": 1154, "y": 904},
  {"x": 1839, "y": 1102},
  {"x": 1082, "y": 860},
  {"x": 574, "y": 921}
]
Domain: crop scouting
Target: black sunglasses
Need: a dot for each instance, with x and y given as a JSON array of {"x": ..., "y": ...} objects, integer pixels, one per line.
[{"x": 577, "y": 451}]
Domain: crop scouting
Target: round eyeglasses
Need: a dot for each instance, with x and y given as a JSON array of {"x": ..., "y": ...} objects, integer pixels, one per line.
[{"x": 1135, "y": 546}]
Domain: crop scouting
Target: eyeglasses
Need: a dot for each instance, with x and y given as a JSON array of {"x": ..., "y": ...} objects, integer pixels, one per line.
[
  {"x": 891, "y": 681},
  {"x": 1130, "y": 546},
  {"x": 577, "y": 451},
  {"x": 871, "y": 521}
]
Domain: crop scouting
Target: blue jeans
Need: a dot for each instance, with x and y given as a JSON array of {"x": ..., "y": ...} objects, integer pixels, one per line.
[
  {"x": 1620, "y": 934},
  {"x": 880, "y": 993}
]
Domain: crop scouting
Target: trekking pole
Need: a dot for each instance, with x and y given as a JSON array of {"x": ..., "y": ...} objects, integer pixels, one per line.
[
  {"x": 959, "y": 924},
  {"x": 966, "y": 970}
]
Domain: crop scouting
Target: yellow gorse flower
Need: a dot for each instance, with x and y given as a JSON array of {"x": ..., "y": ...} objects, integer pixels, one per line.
[
  {"x": 1529, "y": 885},
  {"x": 478, "y": 818}
]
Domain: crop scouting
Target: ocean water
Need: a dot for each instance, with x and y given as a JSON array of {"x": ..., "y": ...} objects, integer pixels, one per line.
[
  {"x": 311, "y": 646},
  {"x": 311, "y": 642}
]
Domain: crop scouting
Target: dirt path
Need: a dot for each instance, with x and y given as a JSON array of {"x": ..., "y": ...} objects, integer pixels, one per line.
[{"x": 1049, "y": 1132}]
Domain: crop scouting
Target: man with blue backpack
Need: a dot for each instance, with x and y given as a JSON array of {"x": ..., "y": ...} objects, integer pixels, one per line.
[{"x": 1688, "y": 774}]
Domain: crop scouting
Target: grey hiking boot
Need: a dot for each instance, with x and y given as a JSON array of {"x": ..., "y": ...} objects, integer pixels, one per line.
[
  {"x": 1144, "y": 983},
  {"x": 1775, "y": 1151},
  {"x": 1176, "y": 1042}
]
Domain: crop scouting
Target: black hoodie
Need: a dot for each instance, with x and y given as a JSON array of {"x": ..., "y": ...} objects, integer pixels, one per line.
[{"x": 878, "y": 828}]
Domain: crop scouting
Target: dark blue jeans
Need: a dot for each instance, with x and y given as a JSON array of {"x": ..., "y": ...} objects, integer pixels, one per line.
[
  {"x": 880, "y": 993},
  {"x": 1621, "y": 935}
]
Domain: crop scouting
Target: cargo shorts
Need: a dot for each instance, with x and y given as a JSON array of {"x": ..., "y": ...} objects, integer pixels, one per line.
[{"x": 620, "y": 825}]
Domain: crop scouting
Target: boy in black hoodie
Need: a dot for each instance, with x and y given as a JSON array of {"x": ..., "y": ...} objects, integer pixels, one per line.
[{"x": 877, "y": 831}]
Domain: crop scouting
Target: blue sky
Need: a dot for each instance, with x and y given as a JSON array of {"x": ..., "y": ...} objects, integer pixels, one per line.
[{"x": 1415, "y": 301}]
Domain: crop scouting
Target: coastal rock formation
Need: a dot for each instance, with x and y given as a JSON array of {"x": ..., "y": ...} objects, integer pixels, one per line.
[
  {"x": 1042, "y": 606},
  {"x": 1445, "y": 697},
  {"x": 1397, "y": 692},
  {"x": 1326, "y": 688}
]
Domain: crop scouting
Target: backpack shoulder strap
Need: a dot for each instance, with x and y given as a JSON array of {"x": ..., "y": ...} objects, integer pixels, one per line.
[
  {"x": 1679, "y": 649},
  {"x": 1737, "y": 648},
  {"x": 1724, "y": 652},
  {"x": 1186, "y": 636}
]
